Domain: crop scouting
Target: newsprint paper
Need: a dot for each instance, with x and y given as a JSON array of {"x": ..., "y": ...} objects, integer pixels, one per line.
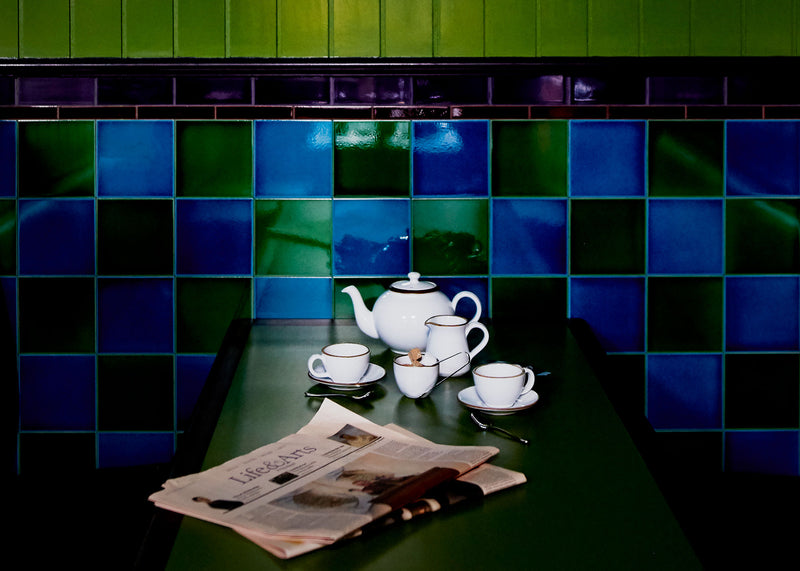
[{"x": 328, "y": 481}]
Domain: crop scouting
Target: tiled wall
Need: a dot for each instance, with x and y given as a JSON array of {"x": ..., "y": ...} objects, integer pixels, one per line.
[
  {"x": 128, "y": 245},
  {"x": 396, "y": 28}
]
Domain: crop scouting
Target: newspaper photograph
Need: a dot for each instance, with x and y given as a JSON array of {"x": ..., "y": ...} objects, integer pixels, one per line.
[{"x": 333, "y": 477}]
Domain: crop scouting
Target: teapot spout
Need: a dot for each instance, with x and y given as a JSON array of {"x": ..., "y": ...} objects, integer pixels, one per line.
[{"x": 364, "y": 317}]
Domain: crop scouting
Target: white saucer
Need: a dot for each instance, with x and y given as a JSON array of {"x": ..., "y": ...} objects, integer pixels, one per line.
[
  {"x": 469, "y": 398},
  {"x": 374, "y": 374}
]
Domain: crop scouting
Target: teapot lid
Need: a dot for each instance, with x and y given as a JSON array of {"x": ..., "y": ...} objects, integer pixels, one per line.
[{"x": 414, "y": 285}]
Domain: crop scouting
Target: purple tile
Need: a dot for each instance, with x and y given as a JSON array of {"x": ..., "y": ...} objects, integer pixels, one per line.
[
  {"x": 134, "y": 90},
  {"x": 56, "y": 91},
  {"x": 212, "y": 91},
  {"x": 542, "y": 90}
]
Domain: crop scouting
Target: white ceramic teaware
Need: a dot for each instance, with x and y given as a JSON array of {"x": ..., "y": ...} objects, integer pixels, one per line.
[
  {"x": 341, "y": 362},
  {"x": 448, "y": 342},
  {"x": 499, "y": 385},
  {"x": 417, "y": 380},
  {"x": 399, "y": 314}
]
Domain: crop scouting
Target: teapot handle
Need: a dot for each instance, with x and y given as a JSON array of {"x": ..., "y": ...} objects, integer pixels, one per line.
[{"x": 468, "y": 294}]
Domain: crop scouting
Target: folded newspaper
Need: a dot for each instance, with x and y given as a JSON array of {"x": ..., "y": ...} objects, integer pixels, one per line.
[{"x": 337, "y": 477}]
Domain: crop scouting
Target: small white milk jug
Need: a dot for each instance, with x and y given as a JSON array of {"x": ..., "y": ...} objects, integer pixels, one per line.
[{"x": 447, "y": 341}]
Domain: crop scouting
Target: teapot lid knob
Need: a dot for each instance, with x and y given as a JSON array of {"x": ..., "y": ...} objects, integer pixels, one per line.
[{"x": 414, "y": 285}]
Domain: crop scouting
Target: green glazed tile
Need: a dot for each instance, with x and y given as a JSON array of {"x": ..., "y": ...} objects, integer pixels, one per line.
[
  {"x": 293, "y": 237},
  {"x": 761, "y": 236},
  {"x": 716, "y": 27},
  {"x": 562, "y": 28},
  {"x": 626, "y": 387},
  {"x": 134, "y": 237},
  {"x": 96, "y": 28},
  {"x": 205, "y": 308},
  {"x": 407, "y": 28},
  {"x": 370, "y": 290},
  {"x": 372, "y": 158},
  {"x": 8, "y": 237},
  {"x": 686, "y": 158},
  {"x": 199, "y": 28},
  {"x": 44, "y": 28},
  {"x": 776, "y": 406},
  {"x": 128, "y": 385},
  {"x": 460, "y": 28},
  {"x": 537, "y": 300},
  {"x": 9, "y": 29},
  {"x": 56, "y": 315},
  {"x": 147, "y": 28},
  {"x": 529, "y": 158},
  {"x": 510, "y": 28},
  {"x": 40, "y": 451},
  {"x": 303, "y": 28},
  {"x": 666, "y": 27},
  {"x": 356, "y": 28},
  {"x": 614, "y": 28},
  {"x": 252, "y": 29},
  {"x": 768, "y": 28},
  {"x": 451, "y": 237},
  {"x": 56, "y": 159},
  {"x": 607, "y": 236},
  {"x": 684, "y": 314},
  {"x": 214, "y": 158}
]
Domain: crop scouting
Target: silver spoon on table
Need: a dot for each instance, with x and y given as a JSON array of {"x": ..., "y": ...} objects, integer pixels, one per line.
[
  {"x": 488, "y": 426},
  {"x": 340, "y": 395}
]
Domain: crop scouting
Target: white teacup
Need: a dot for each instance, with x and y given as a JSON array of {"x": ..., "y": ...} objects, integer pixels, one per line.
[
  {"x": 415, "y": 381},
  {"x": 341, "y": 362},
  {"x": 499, "y": 385}
]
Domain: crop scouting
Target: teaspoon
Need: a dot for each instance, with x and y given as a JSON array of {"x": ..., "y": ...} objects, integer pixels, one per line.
[
  {"x": 342, "y": 395},
  {"x": 487, "y": 426}
]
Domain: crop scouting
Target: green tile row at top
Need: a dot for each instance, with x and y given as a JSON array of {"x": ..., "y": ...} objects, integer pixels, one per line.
[{"x": 396, "y": 28}]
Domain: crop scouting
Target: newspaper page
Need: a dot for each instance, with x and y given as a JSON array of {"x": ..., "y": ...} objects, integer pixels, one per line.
[
  {"x": 478, "y": 482},
  {"x": 331, "y": 478}
]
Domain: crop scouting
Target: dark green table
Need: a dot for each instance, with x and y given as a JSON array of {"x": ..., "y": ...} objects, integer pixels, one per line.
[{"x": 589, "y": 503}]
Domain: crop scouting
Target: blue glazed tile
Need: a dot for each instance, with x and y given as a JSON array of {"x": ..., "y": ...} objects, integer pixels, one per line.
[
  {"x": 57, "y": 392},
  {"x": 56, "y": 237},
  {"x": 116, "y": 449},
  {"x": 762, "y": 313},
  {"x": 214, "y": 236},
  {"x": 135, "y": 315},
  {"x": 190, "y": 377},
  {"x": 607, "y": 158},
  {"x": 293, "y": 159},
  {"x": 303, "y": 298},
  {"x": 371, "y": 237},
  {"x": 451, "y": 158},
  {"x": 762, "y": 158},
  {"x": 765, "y": 452},
  {"x": 466, "y": 308},
  {"x": 684, "y": 391},
  {"x": 8, "y": 158},
  {"x": 685, "y": 237},
  {"x": 134, "y": 158},
  {"x": 613, "y": 307},
  {"x": 529, "y": 236}
]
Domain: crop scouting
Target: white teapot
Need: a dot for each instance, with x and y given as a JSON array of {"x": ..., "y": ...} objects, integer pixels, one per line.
[{"x": 399, "y": 314}]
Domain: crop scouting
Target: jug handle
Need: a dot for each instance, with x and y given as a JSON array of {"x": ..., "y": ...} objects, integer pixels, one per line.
[
  {"x": 468, "y": 294},
  {"x": 484, "y": 340}
]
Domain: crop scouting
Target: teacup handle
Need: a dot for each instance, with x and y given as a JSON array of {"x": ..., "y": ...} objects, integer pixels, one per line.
[
  {"x": 484, "y": 339},
  {"x": 531, "y": 378},
  {"x": 313, "y": 359},
  {"x": 469, "y": 295}
]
